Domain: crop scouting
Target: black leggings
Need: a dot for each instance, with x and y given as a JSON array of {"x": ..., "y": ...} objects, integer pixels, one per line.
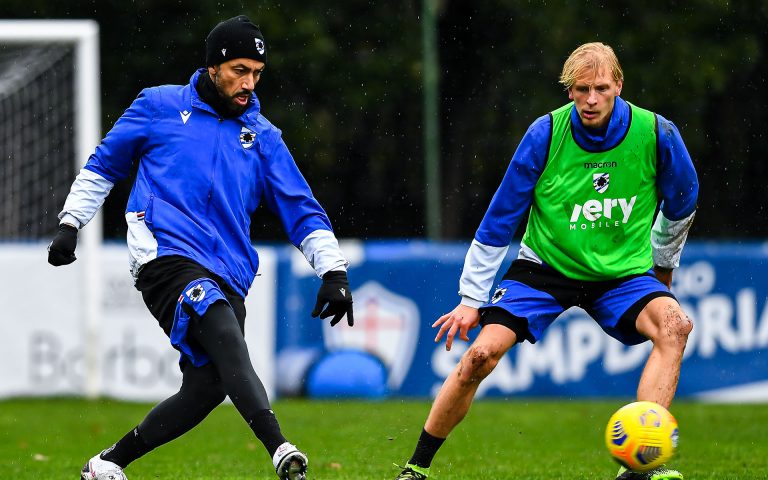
[
  {"x": 220, "y": 333},
  {"x": 230, "y": 372}
]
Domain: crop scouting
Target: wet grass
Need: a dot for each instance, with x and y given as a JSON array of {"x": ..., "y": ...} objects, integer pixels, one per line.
[{"x": 514, "y": 439}]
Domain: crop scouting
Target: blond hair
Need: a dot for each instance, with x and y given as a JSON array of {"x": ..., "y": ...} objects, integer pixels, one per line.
[{"x": 590, "y": 57}]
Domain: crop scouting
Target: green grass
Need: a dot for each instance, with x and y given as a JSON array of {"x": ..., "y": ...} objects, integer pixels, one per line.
[{"x": 515, "y": 439}]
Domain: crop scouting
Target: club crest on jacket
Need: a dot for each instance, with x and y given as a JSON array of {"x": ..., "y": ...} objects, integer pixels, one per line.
[{"x": 246, "y": 138}]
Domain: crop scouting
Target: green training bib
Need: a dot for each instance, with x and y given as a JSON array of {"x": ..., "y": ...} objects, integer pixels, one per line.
[{"x": 592, "y": 212}]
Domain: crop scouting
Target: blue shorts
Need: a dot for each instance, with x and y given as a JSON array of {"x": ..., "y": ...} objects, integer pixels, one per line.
[{"x": 531, "y": 296}]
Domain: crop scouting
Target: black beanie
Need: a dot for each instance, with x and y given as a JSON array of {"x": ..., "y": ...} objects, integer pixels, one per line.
[{"x": 237, "y": 37}]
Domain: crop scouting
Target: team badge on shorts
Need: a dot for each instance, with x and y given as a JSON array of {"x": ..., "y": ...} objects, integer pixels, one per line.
[
  {"x": 246, "y": 138},
  {"x": 498, "y": 294},
  {"x": 196, "y": 293},
  {"x": 600, "y": 181}
]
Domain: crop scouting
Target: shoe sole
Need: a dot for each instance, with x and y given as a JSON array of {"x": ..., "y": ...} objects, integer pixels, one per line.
[{"x": 295, "y": 470}]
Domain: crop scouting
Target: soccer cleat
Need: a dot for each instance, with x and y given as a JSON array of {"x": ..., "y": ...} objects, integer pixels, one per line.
[
  {"x": 413, "y": 472},
  {"x": 290, "y": 463},
  {"x": 661, "y": 473},
  {"x": 100, "y": 469}
]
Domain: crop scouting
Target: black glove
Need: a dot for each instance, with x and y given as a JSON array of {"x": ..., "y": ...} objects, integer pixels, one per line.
[
  {"x": 335, "y": 292},
  {"x": 61, "y": 251}
]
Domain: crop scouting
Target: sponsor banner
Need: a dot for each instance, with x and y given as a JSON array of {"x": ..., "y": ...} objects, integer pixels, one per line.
[
  {"x": 45, "y": 341},
  {"x": 401, "y": 288}
]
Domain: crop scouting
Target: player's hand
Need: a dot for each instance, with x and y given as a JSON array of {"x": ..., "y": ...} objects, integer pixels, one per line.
[
  {"x": 61, "y": 250},
  {"x": 664, "y": 275},
  {"x": 335, "y": 296},
  {"x": 462, "y": 319}
]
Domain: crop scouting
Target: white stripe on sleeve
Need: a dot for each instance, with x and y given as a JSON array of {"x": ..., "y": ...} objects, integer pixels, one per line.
[
  {"x": 321, "y": 249},
  {"x": 480, "y": 267},
  {"x": 668, "y": 238},
  {"x": 87, "y": 195}
]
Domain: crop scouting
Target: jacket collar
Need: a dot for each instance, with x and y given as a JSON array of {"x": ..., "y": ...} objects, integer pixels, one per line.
[{"x": 607, "y": 138}]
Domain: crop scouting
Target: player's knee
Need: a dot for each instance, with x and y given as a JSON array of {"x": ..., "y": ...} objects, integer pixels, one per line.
[
  {"x": 675, "y": 328},
  {"x": 213, "y": 397},
  {"x": 477, "y": 363},
  {"x": 679, "y": 324},
  {"x": 203, "y": 384},
  {"x": 686, "y": 325},
  {"x": 210, "y": 394}
]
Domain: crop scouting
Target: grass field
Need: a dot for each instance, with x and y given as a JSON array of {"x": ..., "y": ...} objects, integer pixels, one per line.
[{"x": 515, "y": 439}]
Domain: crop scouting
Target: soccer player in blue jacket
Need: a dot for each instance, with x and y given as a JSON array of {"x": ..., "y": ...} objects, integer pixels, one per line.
[{"x": 206, "y": 159}]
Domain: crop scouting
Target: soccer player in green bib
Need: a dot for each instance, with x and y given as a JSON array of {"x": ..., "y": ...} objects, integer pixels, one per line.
[{"x": 611, "y": 194}]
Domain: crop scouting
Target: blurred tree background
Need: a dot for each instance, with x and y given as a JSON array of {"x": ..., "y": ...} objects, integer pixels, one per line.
[{"x": 343, "y": 83}]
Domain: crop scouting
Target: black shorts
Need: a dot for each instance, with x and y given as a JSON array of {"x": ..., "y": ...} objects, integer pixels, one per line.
[{"x": 162, "y": 281}]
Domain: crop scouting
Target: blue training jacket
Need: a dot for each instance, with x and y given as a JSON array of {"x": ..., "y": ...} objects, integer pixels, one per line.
[{"x": 200, "y": 177}]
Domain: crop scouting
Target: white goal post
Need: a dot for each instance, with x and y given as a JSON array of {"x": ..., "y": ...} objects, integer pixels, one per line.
[{"x": 81, "y": 36}]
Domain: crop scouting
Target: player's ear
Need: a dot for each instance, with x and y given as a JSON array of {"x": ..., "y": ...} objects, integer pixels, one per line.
[
  {"x": 212, "y": 70},
  {"x": 619, "y": 84}
]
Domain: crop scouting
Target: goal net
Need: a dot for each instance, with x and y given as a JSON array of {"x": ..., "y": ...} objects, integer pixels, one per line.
[
  {"x": 49, "y": 119},
  {"x": 49, "y": 125},
  {"x": 36, "y": 137}
]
